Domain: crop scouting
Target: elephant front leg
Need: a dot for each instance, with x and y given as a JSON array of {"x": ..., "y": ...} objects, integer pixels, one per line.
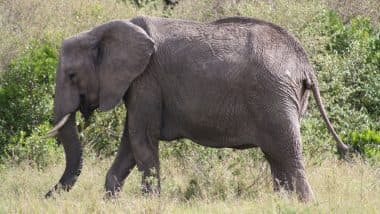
[
  {"x": 144, "y": 130},
  {"x": 145, "y": 149},
  {"x": 144, "y": 122},
  {"x": 121, "y": 167}
]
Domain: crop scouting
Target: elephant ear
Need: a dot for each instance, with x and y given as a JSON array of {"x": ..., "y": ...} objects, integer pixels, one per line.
[{"x": 123, "y": 51}]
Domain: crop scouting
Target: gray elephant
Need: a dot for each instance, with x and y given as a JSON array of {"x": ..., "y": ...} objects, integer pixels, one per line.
[{"x": 233, "y": 83}]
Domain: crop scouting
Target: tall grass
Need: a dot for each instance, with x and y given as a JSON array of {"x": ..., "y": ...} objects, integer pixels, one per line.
[
  {"x": 339, "y": 187},
  {"x": 24, "y": 20}
]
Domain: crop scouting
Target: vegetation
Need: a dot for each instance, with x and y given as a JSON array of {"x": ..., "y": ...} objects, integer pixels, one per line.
[
  {"x": 343, "y": 43},
  {"x": 339, "y": 187},
  {"x": 26, "y": 102},
  {"x": 366, "y": 143}
]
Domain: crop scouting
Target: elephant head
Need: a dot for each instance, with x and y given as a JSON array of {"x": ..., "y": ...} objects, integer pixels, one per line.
[{"x": 95, "y": 70}]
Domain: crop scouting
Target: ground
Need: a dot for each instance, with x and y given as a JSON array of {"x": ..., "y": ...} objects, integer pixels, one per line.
[{"x": 339, "y": 187}]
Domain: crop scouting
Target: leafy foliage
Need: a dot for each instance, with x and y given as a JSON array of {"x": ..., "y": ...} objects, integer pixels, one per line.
[
  {"x": 34, "y": 148},
  {"x": 361, "y": 40},
  {"x": 348, "y": 80},
  {"x": 26, "y": 89},
  {"x": 365, "y": 142},
  {"x": 103, "y": 134}
]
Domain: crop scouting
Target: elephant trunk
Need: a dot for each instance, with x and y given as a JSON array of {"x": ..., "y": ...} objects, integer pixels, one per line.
[{"x": 68, "y": 136}]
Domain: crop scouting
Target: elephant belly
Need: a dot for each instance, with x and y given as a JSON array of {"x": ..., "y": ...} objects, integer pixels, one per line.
[
  {"x": 212, "y": 107},
  {"x": 214, "y": 127}
]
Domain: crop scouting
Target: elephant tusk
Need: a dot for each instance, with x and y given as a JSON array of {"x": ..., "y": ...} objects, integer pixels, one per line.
[{"x": 59, "y": 125}]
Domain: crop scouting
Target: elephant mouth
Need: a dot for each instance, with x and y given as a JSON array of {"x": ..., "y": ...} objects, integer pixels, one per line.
[{"x": 85, "y": 108}]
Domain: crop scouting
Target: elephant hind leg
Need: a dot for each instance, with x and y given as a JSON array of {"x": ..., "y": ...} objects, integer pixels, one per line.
[
  {"x": 290, "y": 178},
  {"x": 282, "y": 149},
  {"x": 278, "y": 176}
]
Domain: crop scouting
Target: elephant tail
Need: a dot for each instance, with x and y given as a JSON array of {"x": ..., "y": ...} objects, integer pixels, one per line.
[{"x": 313, "y": 86}]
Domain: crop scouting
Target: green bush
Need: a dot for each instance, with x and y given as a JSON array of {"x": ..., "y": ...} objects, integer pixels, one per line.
[
  {"x": 365, "y": 142},
  {"x": 26, "y": 90},
  {"x": 358, "y": 43},
  {"x": 34, "y": 148},
  {"x": 104, "y": 132},
  {"x": 344, "y": 36},
  {"x": 26, "y": 100},
  {"x": 348, "y": 80}
]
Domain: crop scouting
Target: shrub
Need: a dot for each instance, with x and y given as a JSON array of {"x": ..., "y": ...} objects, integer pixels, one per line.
[
  {"x": 26, "y": 99},
  {"x": 349, "y": 78},
  {"x": 365, "y": 142},
  {"x": 359, "y": 44},
  {"x": 34, "y": 148},
  {"x": 104, "y": 132},
  {"x": 358, "y": 31},
  {"x": 26, "y": 89}
]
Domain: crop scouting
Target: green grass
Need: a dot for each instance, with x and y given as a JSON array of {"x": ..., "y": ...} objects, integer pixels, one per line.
[{"x": 339, "y": 187}]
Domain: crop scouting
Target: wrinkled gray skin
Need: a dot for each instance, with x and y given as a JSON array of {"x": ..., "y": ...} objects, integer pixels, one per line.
[{"x": 233, "y": 83}]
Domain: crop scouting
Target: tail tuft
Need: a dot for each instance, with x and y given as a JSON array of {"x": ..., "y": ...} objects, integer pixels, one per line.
[{"x": 342, "y": 149}]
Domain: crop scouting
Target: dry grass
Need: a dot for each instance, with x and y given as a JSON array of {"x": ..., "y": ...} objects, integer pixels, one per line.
[
  {"x": 24, "y": 20},
  {"x": 339, "y": 188},
  {"x": 351, "y": 8}
]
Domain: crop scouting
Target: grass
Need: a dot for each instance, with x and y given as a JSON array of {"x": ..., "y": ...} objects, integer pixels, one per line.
[
  {"x": 339, "y": 187},
  {"x": 24, "y": 20}
]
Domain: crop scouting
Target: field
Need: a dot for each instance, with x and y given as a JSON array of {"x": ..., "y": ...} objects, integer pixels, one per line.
[
  {"x": 342, "y": 39},
  {"x": 339, "y": 187}
]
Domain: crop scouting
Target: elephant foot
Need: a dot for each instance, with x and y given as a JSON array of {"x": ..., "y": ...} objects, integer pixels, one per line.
[
  {"x": 111, "y": 195},
  {"x": 291, "y": 178},
  {"x": 50, "y": 193},
  {"x": 112, "y": 186},
  {"x": 57, "y": 190},
  {"x": 151, "y": 186},
  {"x": 302, "y": 186},
  {"x": 306, "y": 197},
  {"x": 297, "y": 184},
  {"x": 150, "y": 190},
  {"x": 303, "y": 191}
]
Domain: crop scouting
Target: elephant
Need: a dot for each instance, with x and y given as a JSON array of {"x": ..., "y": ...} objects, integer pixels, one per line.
[{"x": 236, "y": 82}]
